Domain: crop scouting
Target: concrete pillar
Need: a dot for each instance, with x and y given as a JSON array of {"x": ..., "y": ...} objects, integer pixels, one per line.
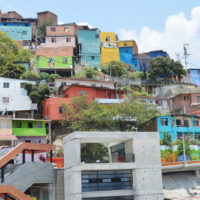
[
  {"x": 13, "y": 114},
  {"x": 50, "y": 133},
  {"x": 197, "y": 173},
  {"x": 110, "y": 155},
  {"x": 51, "y": 191},
  {"x": 32, "y": 114}
]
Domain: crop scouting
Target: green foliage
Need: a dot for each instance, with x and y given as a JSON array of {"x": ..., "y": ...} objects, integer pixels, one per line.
[
  {"x": 180, "y": 147},
  {"x": 48, "y": 77},
  {"x": 31, "y": 76},
  {"x": 164, "y": 67},
  {"x": 23, "y": 56},
  {"x": 11, "y": 70},
  {"x": 10, "y": 54},
  {"x": 136, "y": 75},
  {"x": 42, "y": 27},
  {"x": 126, "y": 88},
  {"x": 167, "y": 139},
  {"x": 92, "y": 152},
  {"x": 37, "y": 93},
  {"x": 87, "y": 116},
  {"x": 90, "y": 73},
  {"x": 118, "y": 69}
]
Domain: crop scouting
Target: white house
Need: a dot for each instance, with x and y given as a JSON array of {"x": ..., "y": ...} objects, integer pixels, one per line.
[{"x": 13, "y": 96}]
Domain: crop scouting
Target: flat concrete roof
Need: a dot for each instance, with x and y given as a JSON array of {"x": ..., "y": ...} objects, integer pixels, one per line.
[{"x": 108, "y": 137}]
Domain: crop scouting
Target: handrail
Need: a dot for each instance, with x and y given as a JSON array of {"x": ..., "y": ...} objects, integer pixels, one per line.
[
  {"x": 11, "y": 190},
  {"x": 36, "y": 147}
]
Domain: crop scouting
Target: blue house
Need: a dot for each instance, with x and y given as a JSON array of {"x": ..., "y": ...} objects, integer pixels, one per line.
[
  {"x": 128, "y": 50},
  {"x": 144, "y": 58},
  {"x": 89, "y": 47},
  {"x": 17, "y": 31},
  {"x": 178, "y": 125},
  {"x": 194, "y": 75}
]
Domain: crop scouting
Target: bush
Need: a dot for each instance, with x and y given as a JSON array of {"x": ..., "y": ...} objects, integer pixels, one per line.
[
  {"x": 90, "y": 72},
  {"x": 136, "y": 75},
  {"x": 31, "y": 76}
]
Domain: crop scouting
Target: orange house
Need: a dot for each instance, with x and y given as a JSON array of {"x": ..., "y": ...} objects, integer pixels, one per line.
[{"x": 52, "y": 107}]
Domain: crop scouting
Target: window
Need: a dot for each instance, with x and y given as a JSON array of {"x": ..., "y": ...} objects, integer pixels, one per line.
[
  {"x": 107, "y": 39},
  {"x": 66, "y": 28},
  {"x": 38, "y": 125},
  {"x": 80, "y": 47},
  {"x": 198, "y": 99},
  {"x": 63, "y": 84},
  {"x": 30, "y": 125},
  {"x": 53, "y": 28},
  {"x": 126, "y": 50},
  {"x": 24, "y": 32},
  {"x": 61, "y": 110},
  {"x": 160, "y": 103},
  {"x": 68, "y": 39},
  {"x": 28, "y": 141},
  {"x": 64, "y": 60},
  {"x": 178, "y": 122},
  {"x": 97, "y": 35},
  {"x": 196, "y": 123},
  {"x": 92, "y": 57},
  {"x": 22, "y": 85},
  {"x": 125, "y": 44},
  {"x": 186, "y": 123},
  {"x": 164, "y": 121},
  {"x": 186, "y": 98},
  {"x": 5, "y": 85},
  {"x": 83, "y": 93},
  {"x": 53, "y": 40},
  {"x": 19, "y": 124},
  {"x": 5, "y": 99}
]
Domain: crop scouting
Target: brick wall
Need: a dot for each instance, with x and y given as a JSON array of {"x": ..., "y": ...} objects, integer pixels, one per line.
[
  {"x": 44, "y": 16},
  {"x": 61, "y": 30},
  {"x": 12, "y": 14},
  {"x": 55, "y": 52}
]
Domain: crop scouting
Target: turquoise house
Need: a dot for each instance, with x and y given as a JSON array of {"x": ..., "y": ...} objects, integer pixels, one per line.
[
  {"x": 89, "y": 47},
  {"x": 17, "y": 31},
  {"x": 178, "y": 125}
]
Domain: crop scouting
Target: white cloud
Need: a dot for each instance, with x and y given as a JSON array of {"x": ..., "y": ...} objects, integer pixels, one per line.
[
  {"x": 85, "y": 24},
  {"x": 60, "y": 23},
  {"x": 178, "y": 31}
]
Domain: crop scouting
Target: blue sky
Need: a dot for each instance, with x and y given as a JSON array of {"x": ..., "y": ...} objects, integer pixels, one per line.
[
  {"x": 155, "y": 24},
  {"x": 108, "y": 15}
]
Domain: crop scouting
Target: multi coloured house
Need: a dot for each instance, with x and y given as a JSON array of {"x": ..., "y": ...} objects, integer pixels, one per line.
[
  {"x": 89, "y": 47},
  {"x": 109, "y": 48},
  {"x": 128, "y": 50}
]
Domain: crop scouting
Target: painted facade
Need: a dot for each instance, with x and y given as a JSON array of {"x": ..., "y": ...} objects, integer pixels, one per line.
[
  {"x": 194, "y": 75},
  {"x": 28, "y": 127},
  {"x": 109, "y": 48},
  {"x": 89, "y": 47},
  {"x": 13, "y": 97},
  {"x": 127, "y": 51},
  {"x": 53, "y": 109},
  {"x": 17, "y": 31},
  {"x": 54, "y": 62}
]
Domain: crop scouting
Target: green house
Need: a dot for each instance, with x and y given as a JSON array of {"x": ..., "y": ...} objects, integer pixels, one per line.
[{"x": 28, "y": 127}]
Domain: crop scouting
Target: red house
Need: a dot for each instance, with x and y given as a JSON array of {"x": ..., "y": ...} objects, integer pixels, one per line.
[{"x": 53, "y": 110}]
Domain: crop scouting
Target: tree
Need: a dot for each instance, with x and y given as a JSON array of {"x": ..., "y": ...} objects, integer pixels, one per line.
[
  {"x": 23, "y": 56},
  {"x": 116, "y": 68},
  {"x": 42, "y": 28},
  {"x": 11, "y": 70},
  {"x": 31, "y": 76},
  {"x": 87, "y": 116},
  {"x": 48, "y": 77},
  {"x": 161, "y": 67}
]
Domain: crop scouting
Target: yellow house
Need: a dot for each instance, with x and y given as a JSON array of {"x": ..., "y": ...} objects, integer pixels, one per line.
[{"x": 109, "y": 47}]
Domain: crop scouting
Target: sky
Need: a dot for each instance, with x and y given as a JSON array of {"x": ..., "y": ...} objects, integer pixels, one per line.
[{"x": 155, "y": 24}]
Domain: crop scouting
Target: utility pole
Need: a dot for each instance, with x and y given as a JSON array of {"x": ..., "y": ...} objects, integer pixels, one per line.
[{"x": 186, "y": 58}]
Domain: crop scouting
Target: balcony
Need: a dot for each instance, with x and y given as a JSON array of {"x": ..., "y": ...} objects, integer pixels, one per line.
[{"x": 109, "y": 101}]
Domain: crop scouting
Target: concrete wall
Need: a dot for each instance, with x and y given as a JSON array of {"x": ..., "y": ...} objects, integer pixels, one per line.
[
  {"x": 105, "y": 84},
  {"x": 146, "y": 170},
  {"x": 5, "y": 126},
  {"x": 18, "y": 99}
]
